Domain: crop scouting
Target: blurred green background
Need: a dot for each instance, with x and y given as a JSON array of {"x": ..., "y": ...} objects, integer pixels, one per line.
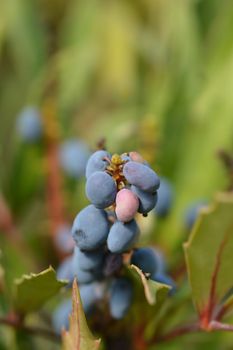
[
  {"x": 120, "y": 67},
  {"x": 151, "y": 75}
]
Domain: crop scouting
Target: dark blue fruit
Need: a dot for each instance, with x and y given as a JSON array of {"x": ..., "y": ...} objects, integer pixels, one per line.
[
  {"x": 73, "y": 157},
  {"x": 60, "y": 317},
  {"x": 97, "y": 162},
  {"x": 90, "y": 294},
  {"x": 141, "y": 176},
  {"x": 165, "y": 198},
  {"x": 101, "y": 189},
  {"x": 65, "y": 270},
  {"x": 122, "y": 236},
  {"x": 90, "y": 228},
  {"x": 88, "y": 260},
  {"x": 29, "y": 124},
  {"x": 192, "y": 213},
  {"x": 145, "y": 259},
  {"x": 147, "y": 201},
  {"x": 120, "y": 299}
]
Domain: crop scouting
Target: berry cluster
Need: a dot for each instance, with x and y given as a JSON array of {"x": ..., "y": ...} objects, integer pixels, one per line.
[
  {"x": 105, "y": 233},
  {"x": 118, "y": 187}
]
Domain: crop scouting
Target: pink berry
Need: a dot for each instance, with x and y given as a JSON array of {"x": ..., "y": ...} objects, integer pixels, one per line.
[
  {"x": 127, "y": 204},
  {"x": 136, "y": 157}
]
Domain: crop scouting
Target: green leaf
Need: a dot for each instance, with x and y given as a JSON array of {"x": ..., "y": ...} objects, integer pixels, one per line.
[
  {"x": 33, "y": 290},
  {"x": 155, "y": 292},
  {"x": 209, "y": 256},
  {"x": 79, "y": 336}
]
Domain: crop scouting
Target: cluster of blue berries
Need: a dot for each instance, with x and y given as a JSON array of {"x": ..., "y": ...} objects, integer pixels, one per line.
[{"x": 119, "y": 187}]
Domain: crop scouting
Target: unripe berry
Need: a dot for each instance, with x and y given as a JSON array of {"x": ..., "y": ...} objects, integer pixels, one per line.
[{"x": 127, "y": 205}]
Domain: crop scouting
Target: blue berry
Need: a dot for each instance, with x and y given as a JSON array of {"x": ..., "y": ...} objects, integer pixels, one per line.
[
  {"x": 141, "y": 176},
  {"x": 161, "y": 263},
  {"x": 65, "y": 270},
  {"x": 121, "y": 294},
  {"x": 165, "y": 198},
  {"x": 73, "y": 157},
  {"x": 145, "y": 259},
  {"x": 97, "y": 162},
  {"x": 83, "y": 276},
  {"x": 192, "y": 213},
  {"x": 165, "y": 279},
  {"x": 113, "y": 263},
  {"x": 64, "y": 240},
  {"x": 101, "y": 189},
  {"x": 90, "y": 228},
  {"x": 60, "y": 318},
  {"x": 90, "y": 294},
  {"x": 147, "y": 201},
  {"x": 125, "y": 157},
  {"x": 122, "y": 236},
  {"x": 29, "y": 124},
  {"x": 88, "y": 260}
]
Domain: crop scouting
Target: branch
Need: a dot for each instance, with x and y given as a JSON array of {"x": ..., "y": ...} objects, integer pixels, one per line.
[
  {"x": 55, "y": 199},
  {"x": 218, "y": 326},
  {"x": 175, "y": 333},
  {"x": 223, "y": 310},
  {"x": 139, "y": 342},
  {"x": 191, "y": 328}
]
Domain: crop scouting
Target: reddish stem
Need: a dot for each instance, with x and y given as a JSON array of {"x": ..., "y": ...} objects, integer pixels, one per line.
[
  {"x": 223, "y": 310},
  {"x": 54, "y": 189},
  {"x": 177, "y": 332},
  {"x": 218, "y": 326},
  {"x": 55, "y": 200},
  {"x": 207, "y": 313},
  {"x": 139, "y": 342}
]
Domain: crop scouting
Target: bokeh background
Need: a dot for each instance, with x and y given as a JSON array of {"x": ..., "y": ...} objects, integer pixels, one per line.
[{"x": 151, "y": 75}]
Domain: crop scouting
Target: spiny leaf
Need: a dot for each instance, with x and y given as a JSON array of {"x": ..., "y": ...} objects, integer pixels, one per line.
[
  {"x": 33, "y": 290},
  {"x": 154, "y": 292},
  {"x": 79, "y": 336},
  {"x": 209, "y": 256}
]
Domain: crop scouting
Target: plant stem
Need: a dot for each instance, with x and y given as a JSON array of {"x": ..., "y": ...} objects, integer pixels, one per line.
[
  {"x": 177, "y": 332},
  {"x": 55, "y": 198},
  {"x": 223, "y": 310},
  {"x": 218, "y": 326}
]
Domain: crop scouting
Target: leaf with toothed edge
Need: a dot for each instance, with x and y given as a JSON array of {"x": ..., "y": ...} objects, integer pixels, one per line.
[
  {"x": 209, "y": 257},
  {"x": 32, "y": 291},
  {"x": 155, "y": 292},
  {"x": 78, "y": 337}
]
